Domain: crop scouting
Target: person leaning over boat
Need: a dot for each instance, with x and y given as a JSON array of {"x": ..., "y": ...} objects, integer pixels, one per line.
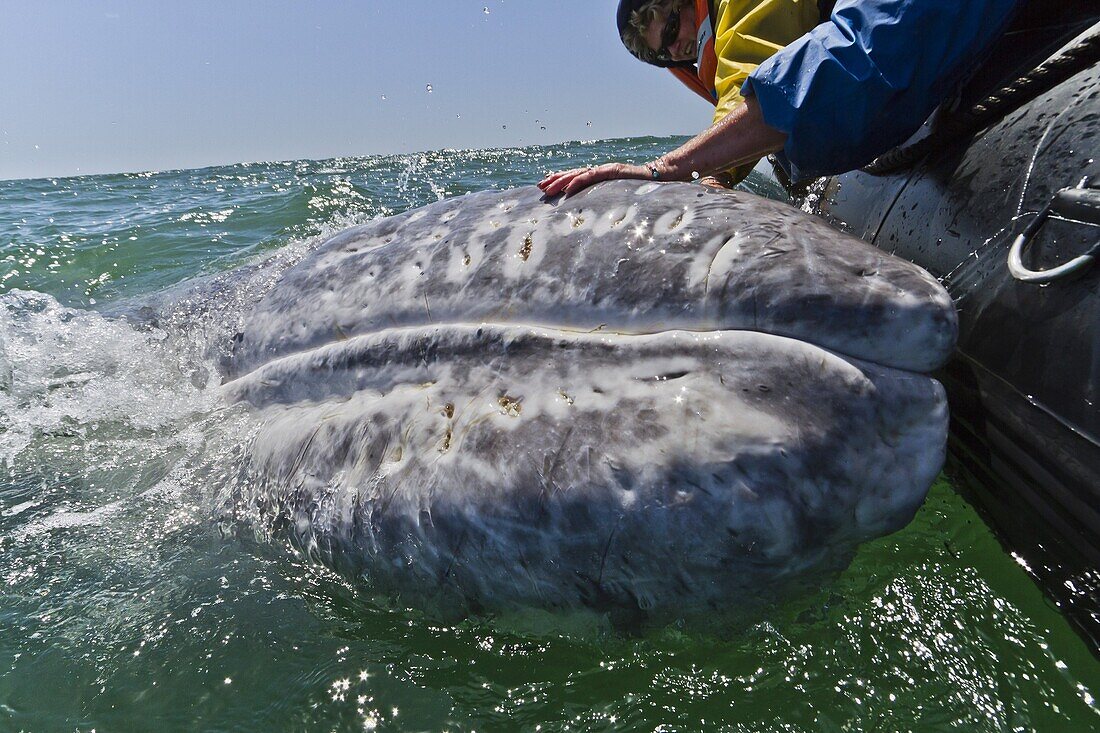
[
  {"x": 831, "y": 100},
  {"x": 712, "y": 47}
]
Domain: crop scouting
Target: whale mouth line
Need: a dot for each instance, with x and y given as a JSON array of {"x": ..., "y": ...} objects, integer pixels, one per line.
[
  {"x": 351, "y": 351},
  {"x": 510, "y": 330}
]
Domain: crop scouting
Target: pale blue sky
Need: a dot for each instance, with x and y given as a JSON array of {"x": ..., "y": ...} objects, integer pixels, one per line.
[{"x": 96, "y": 86}]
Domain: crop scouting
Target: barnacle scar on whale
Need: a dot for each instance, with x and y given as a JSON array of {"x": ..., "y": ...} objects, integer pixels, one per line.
[{"x": 648, "y": 396}]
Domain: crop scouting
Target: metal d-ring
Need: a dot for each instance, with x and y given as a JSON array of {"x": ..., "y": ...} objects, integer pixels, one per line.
[{"x": 1082, "y": 204}]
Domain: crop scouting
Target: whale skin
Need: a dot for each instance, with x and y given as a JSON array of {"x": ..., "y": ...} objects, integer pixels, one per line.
[{"x": 649, "y": 396}]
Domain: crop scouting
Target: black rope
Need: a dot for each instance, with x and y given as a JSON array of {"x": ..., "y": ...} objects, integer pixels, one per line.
[{"x": 1043, "y": 78}]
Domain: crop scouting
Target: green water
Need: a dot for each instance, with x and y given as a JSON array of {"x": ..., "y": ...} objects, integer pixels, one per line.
[{"x": 124, "y": 606}]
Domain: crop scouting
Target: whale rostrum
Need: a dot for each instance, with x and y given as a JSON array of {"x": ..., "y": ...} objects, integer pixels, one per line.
[{"x": 647, "y": 396}]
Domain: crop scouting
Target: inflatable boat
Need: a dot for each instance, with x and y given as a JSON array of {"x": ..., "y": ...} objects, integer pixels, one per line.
[{"x": 999, "y": 198}]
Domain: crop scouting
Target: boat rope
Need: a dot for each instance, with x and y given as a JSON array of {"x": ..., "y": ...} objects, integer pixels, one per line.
[{"x": 1042, "y": 78}]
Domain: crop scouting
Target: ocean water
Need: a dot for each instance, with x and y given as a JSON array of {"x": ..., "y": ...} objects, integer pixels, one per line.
[{"x": 127, "y": 605}]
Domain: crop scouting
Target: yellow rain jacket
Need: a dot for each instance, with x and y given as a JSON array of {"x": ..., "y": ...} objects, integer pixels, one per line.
[{"x": 747, "y": 33}]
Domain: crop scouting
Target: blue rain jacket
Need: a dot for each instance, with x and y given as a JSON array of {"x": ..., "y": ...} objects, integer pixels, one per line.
[{"x": 867, "y": 79}]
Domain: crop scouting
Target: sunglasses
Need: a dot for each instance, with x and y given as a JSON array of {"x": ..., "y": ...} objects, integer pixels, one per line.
[{"x": 670, "y": 33}]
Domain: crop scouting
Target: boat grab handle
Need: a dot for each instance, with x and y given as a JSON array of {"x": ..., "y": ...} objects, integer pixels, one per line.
[{"x": 1080, "y": 204}]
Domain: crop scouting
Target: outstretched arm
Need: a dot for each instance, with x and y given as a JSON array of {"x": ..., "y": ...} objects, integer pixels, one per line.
[{"x": 739, "y": 137}]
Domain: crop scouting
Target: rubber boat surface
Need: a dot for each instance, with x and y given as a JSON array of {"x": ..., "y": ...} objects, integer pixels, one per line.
[
  {"x": 997, "y": 217},
  {"x": 653, "y": 397}
]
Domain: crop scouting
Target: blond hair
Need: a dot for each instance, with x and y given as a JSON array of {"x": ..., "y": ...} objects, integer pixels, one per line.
[{"x": 640, "y": 19}]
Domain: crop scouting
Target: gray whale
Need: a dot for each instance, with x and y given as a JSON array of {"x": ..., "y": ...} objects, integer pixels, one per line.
[{"x": 649, "y": 396}]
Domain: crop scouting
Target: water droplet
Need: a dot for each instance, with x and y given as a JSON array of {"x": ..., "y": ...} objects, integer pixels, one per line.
[
  {"x": 589, "y": 124},
  {"x": 383, "y": 97},
  {"x": 485, "y": 10},
  {"x": 429, "y": 88}
]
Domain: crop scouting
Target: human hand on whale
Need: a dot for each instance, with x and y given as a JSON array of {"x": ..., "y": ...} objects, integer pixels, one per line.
[{"x": 741, "y": 137}]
